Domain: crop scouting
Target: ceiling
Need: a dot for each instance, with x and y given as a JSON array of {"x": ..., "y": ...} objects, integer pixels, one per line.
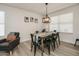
[{"x": 40, "y": 7}]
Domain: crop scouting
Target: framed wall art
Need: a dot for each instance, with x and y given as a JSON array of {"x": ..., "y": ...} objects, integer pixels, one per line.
[
  {"x": 36, "y": 20},
  {"x": 26, "y": 19},
  {"x": 31, "y": 19}
]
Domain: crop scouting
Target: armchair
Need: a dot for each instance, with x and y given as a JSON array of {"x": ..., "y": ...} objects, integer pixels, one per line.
[{"x": 8, "y": 46}]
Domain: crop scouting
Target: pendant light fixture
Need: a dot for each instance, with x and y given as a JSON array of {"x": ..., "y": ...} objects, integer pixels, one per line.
[{"x": 46, "y": 18}]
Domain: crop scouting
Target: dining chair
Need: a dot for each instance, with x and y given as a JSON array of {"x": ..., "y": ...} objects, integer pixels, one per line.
[
  {"x": 35, "y": 43},
  {"x": 76, "y": 42},
  {"x": 44, "y": 30},
  {"x": 36, "y": 31},
  {"x": 54, "y": 41},
  {"x": 58, "y": 36},
  {"x": 47, "y": 43}
]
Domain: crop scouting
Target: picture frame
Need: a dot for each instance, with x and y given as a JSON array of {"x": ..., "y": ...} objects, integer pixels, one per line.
[
  {"x": 31, "y": 19},
  {"x": 36, "y": 20},
  {"x": 26, "y": 19}
]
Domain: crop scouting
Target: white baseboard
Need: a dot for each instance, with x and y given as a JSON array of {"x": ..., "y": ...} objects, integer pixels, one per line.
[
  {"x": 23, "y": 40},
  {"x": 68, "y": 42}
]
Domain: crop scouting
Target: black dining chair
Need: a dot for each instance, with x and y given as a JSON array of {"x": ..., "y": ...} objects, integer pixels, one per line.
[
  {"x": 76, "y": 42},
  {"x": 44, "y": 30},
  {"x": 47, "y": 43},
  {"x": 35, "y": 44},
  {"x": 54, "y": 41},
  {"x": 58, "y": 36},
  {"x": 36, "y": 31}
]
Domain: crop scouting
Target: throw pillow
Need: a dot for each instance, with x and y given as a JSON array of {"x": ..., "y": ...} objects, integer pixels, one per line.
[{"x": 11, "y": 37}]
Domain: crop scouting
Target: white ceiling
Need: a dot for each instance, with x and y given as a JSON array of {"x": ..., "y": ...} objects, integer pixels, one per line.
[{"x": 40, "y": 7}]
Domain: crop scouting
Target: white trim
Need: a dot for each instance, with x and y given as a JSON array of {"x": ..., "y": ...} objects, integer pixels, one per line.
[{"x": 23, "y": 40}]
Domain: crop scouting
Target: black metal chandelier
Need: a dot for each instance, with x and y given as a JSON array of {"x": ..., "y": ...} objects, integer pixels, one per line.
[{"x": 46, "y": 18}]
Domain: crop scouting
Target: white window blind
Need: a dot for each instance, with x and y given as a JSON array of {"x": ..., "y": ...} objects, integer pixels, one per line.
[
  {"x": 62, "y": 23},
  {"x": 2, "y": 23}
]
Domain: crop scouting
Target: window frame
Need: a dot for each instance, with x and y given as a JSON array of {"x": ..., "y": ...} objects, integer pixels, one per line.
[{"x": 3, "y": 24}]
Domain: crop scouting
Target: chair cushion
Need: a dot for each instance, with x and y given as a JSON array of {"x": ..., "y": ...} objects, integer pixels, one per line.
[{"x": 4, "y": 44}]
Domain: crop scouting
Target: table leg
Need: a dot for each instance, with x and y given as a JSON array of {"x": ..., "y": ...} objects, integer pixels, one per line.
[{"x": 42, "y": 45}]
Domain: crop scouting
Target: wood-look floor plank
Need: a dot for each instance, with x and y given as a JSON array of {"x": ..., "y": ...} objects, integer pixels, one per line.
[{"x": 24, "y": 49}]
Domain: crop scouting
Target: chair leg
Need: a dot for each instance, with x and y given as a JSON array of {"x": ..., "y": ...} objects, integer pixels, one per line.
[
  {"x": 52, "y": 46},
  {"x": 34, "y": 50},
  {"x": 42, "y": 52},
  {"x": 31, "y": 47},
  {"x": 10, "y": 53},
  {"x": 59, "y": 39},
  {"x": 49, "y": 48},
  {"x": 56, "y": 43},
  {"x": 18, "y": 46},
  {"x": 75, "y": 43}
]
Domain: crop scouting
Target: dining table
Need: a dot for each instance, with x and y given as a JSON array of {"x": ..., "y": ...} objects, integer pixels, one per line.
[{"x": 43, "y": 35}]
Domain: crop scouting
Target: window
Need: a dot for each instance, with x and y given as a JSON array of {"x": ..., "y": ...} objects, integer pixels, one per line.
[
  {"x": 62, "y": 23},
  {"x": 2, "y": 23},
  {"x": 54, "y": 23}
]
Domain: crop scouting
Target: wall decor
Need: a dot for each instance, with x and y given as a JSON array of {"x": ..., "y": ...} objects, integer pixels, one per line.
[
  {"x": 26, "y": 19},
  {"x": 31, "y": 19},
  {"x": 36, "y": 20}
]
